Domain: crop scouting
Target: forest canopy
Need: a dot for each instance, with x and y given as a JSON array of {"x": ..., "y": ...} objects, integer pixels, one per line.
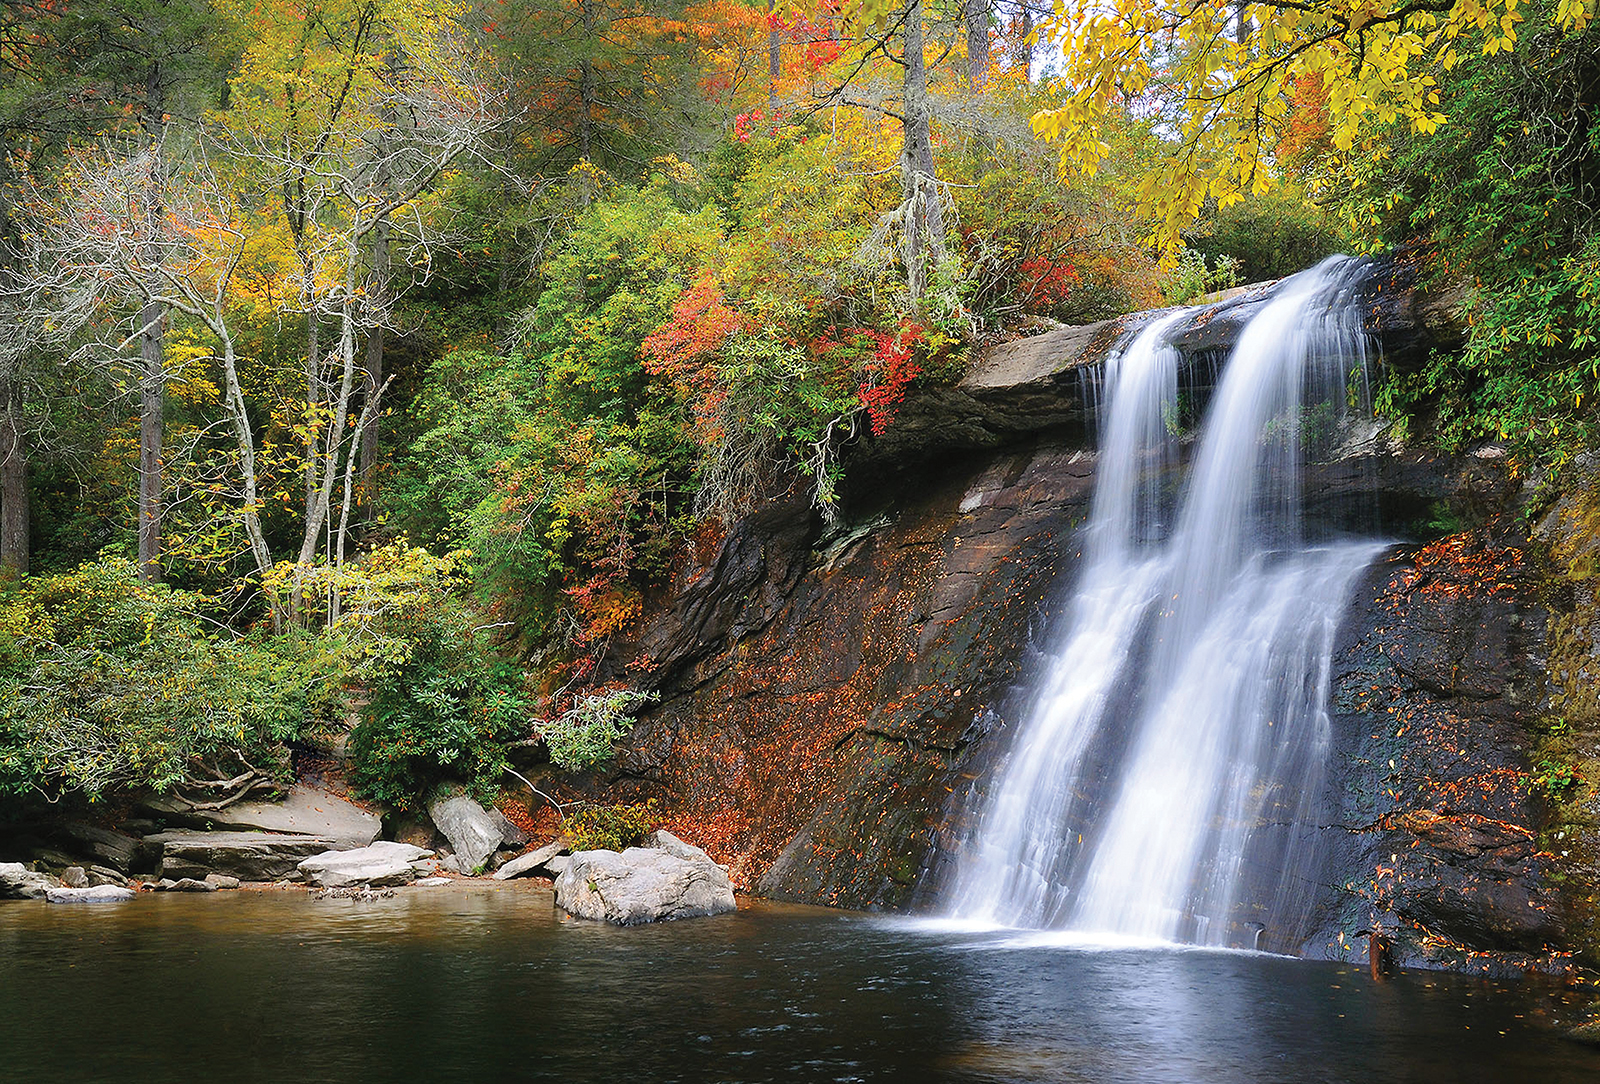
[{"x": 378, "y": 359}]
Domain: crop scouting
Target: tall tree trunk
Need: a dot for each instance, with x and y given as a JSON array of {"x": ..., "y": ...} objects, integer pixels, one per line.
[
  {"x": 1022, "y": 51},
  {"x": 13, "y": 478},
  {"x": 333, "y": 450},
  {"x": 152, "y": 343},
  {"x": 774, "y": 57},
  {"x": 244, "y": 435},
  {"x": 369, "y": 435},
  {"x": 923, "y": 229},
  {"x": 586, "y": 90},
  {"x": 152, "y": 409},
  {"x": 975, "y": 14},
  {"x": 378, "y": 293},
  {"x": 313, "y": 398}
]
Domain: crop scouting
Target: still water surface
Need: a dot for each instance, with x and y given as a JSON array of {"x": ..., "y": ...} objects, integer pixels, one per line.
[{"x": 477, "y": 984}]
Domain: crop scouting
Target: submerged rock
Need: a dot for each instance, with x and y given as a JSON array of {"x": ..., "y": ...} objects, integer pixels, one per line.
[
  {"x": 379, "y": 865},
  {"x": 18, "y": 882},
  {"x": 668, "y": 879},
  {"x": 97, "y": 894},
  {"x": 473, "y": 833},
  {"x": 532, "y": 862}
]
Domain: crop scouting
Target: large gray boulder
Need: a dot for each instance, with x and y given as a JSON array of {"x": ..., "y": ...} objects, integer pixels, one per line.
[
  {"x": 249, "y": 856},
  {"x": 18, "y": 882},
  {"x": 97, "y": 894},
  {"x": 532, "y": 862},
  {"x": 667, "y": 879},
  {"x": 473, "y": 834},
  {"x": 304, "y": 811},
  {"x": 379, "y": 865}
]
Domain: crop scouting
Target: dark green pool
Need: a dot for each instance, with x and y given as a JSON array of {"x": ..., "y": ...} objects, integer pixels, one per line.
[{"x": 478, "y": 984}]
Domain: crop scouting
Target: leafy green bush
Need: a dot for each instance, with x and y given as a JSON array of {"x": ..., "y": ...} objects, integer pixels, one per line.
[
  {"x": 1504, "y": 193},
  {"x": 1193, "y": 277},
  {"x": 610, "y": 827},
  {"x": 559, "y": 462},
  {"x": 1270, "y": 235},
  {"x": 443, "y": 703},
  {"x": 107, "y": 682},
  {"x": 582, "y": 736}
]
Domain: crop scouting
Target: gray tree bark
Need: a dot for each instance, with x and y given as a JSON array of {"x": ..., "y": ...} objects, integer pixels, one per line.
[
  {"x": 774, "y": 59},
  {"x": 924, "y": 217},
  {"x": 152, "y": 358},
  {"x": 14, "y": 506},
  {"x": 975, "y": 16}
]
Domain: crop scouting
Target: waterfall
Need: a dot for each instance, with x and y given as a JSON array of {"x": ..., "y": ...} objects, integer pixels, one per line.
[{"x": 1165, "y": 782}]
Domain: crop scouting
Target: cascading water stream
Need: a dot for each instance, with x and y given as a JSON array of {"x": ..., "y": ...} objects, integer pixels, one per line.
[{"x": 1165, "y": 782}]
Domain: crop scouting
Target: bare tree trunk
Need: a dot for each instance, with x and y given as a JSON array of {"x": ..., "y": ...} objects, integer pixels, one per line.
[
  {"x": 245, "y": 437},
  {"x": 774, "y": 57},
  {"x": 924, "y": 217},
  {"x": 975, "y": 13},
  {"x": 313, "y": 396},
  {"x": 317, "y": 514},
  {"x": 369, "y": 414},
  {"x": 152, "y": 408},
  {"x": 586, "y": 91},
  {"x": 13, "y": 479},
  {"x": 152, "y": 346},
  {"x": 1023, "y": 49},
  {"x": 378, "y": 290}
]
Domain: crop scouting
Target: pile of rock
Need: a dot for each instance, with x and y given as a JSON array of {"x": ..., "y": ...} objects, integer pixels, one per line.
[{"x": 331, "y": 845}]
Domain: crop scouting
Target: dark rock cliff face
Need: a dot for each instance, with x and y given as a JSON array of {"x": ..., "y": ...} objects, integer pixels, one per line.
[
  {"x": 820, "y": 697},
  {"x": 1438, "y": 689},
  {"x": 827, "y": 701}
]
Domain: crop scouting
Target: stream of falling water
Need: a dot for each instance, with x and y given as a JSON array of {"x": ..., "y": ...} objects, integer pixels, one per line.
[{"x": 1165, "y": 783}]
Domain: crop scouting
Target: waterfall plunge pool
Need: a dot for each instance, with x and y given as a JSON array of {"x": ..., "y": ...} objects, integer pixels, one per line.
[{"x": 482, "y": 983}]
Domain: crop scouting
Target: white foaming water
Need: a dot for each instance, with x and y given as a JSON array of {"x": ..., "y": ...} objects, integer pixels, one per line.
[{"x": 1165, "y": 784}]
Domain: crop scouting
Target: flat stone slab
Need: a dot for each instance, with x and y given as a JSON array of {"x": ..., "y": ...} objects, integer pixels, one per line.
[
  {"x": 532, "y": 862},
  {"x": 97, "y": 894},
  {"x": 120, "y": 852},
  {"x": 668, "y": 879},
  {"x": 304, "y": 811},
  {"x": 249, "y": 856},
  {"x": 379, "y": 865}
]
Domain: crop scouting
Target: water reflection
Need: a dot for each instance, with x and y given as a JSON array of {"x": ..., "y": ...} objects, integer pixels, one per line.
[{"x": 491, "y": 985}]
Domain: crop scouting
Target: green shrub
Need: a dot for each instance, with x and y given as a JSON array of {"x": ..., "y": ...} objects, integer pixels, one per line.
[
  {"x": 582, "y": 736},
  {"x": 442, "y": 702},
  {"x": 1193, "y": 277},
  {"x": 1270, "y": 235},
  {"x": 610, "y": 827},
  {"x": 107, "y": 682}
]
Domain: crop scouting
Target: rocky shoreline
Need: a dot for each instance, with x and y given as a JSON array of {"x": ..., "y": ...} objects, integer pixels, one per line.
[{"x": 256, "y": 846}]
